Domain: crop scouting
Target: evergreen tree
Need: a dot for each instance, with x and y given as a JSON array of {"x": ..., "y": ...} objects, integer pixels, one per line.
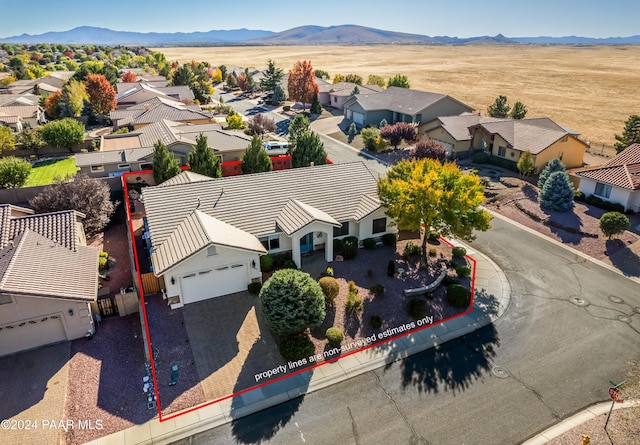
[
  {"x": 519, "y": 111},
  {"x": 202, "y": 159},
  {"x": 255, "y": 158},
  {"x": 630, "y": 134},
  {"x": 353, "y": 130},
  {"x": 316, "y": 107},
  {"x": 355, "y": 91},
  {"x": 272, "y": 77},
  {"x": 165, "y": 165},
  {"x": 499, "y": 108},
  {"x": 399, "y": 80},
  {"x": 297, "y": 127},
  {"x": 278, "y": 95},
  {"x": 554, "y": 165},
  {"x": 308, "y": 149},
  {"x": 383, "y": 123},
  {"x": 557, "y": 193}
]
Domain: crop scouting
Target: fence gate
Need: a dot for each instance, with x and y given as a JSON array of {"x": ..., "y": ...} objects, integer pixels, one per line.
[
  {"x": 150, "y": 283},
  {"x": 108, "y": 307}
]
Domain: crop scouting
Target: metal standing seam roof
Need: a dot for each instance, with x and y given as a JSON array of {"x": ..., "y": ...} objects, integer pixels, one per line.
[
  {"x": 296, "y": 215},
  {"x": 197, "y": 231},
  {"x": 253, "y": 202},
  {"x": 33, "y": 265},
  {"x": 623, "y": 170}
]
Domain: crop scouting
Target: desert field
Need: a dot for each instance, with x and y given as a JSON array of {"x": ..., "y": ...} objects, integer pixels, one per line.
[{"x": 591, "y": 89}]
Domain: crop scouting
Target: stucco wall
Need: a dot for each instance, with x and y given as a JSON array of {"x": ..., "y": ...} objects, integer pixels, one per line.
[{"x": 571, "y": 152}]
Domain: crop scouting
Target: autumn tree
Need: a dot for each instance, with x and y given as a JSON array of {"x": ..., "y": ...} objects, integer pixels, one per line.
[
  {"x": 203, "y": 160},
  {"x": 128, "y": 77},
  {"x": 519, "y": 111},
  {"x": 374, "y": 79},
  {"x": 243, "y": 82},
  {"x": 7, "y": 139},
  {"x": 499, "y": 107},
  {"x": 196, "y": 77},
  {"x": 437, "y": 197},
  {"x": 255, "y": 158},
  {"x": 261, "y": 124},
  {"x": 613, "y": 223},
  {"x": 399, "y": 80},
  {"x": 52, "y": 105},
  {"x": 298, "y": 126},
  {"x": 397, "y": 132},
  {"x": 526, "y": 164},
  {"x": 165, "y": 165},
  {"x": 302, "y": 83},
  {"x": 308, "y": 149},
  {"x": 102, "y": 96},
  {"x": 63, "y": 133},
  {"x": 428, "y": 148},
  {"x": 13, "y": 172},
  {"x": 74, "y": 95},
  {"x": 272, "y": 77},
  {"x": 630, "y": 133}
]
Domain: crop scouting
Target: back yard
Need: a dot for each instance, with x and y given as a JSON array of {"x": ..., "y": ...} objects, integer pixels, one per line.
[{"x": 45, "y": 172}]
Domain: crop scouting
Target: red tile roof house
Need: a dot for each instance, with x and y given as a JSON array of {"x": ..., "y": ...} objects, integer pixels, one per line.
[
  {"x": 48, "y": 278},
  {"x": 617, "y": 180},
  {"x": 207, "y": 234}
]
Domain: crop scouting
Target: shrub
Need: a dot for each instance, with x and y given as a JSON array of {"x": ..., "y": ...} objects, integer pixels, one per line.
[
  {"x": 377, "y": 290},
  {"x": 369, "y": 243},
  {"x": 605, "y": 205},
  {"x": 328, "y": 272},
  {"x": 330, "y": 288},
  {"x": 335, "y": 336},
  {"x": 354, "y": 302},
  {"x": 389, "y": 239},
  {"x": 459, "y": 252},
  {"x": 369, "y": 136},
  {"x": 235, "y": 121},
  {"x": 286, "y": 108},
  {"x": 448, "y": 280},
  {"x": 463, "y": 271},
  {"x": 613, "y": 223},
  {"x": 458, "y": 295},
  {"x": 391, "y": 268},
  {"x": 432, "y": 252},
  {"x": 375, "y": 321},
  {"x": 350, "y": 247},
  {"x": 254, "y": 288},
  {"x": 103, "y": 262},
  {"x": 266, "y": 263},
  {"x": 296, "y": 347},
  {"x": 352, "y": 287},
  {"x": 337, "y": 246},
  {"x": 412, "y": 249},
  {"x": 289, "y": 264},
  {"x": 578, "y": 196},
  {"x": 480, "y": 157},
  {"x": 417, "y": 308}
]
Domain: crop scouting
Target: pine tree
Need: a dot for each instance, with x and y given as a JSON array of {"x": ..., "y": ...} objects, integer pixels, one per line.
[
  {"x": 519, "y": 111},
  {"x": 309, "y": 149},
  {"x": 499, "y": 108},
  {"x": 272, "y": 77},
  {"x": 299, "y": 125},
  {"x": 383, "y": 123},
  {"x": 164, "y": 165},
  {"x": 202, "y": 159},
  {"x": 630, "y": 134},
  {"x": 353, "y": 130},
  {"x": 554, "y": 165},
  {"x": 557, "y": 193},
  {"x": 316, "y": 107},
  {"x": 255, "y": 158},
  {"x": 355, "y": 91}
]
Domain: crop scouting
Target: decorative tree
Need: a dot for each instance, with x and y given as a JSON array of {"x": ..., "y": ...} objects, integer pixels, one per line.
[
  {"x": 374, "y": 79},
  {"x": 235, "y": 122},
  {"x": 278, "y": 95},
  {"x": 321, "y": 74},
  {"x": 13, "y": 172},
  {"x": 255, "y": 158},
  {"x": 353, "y": 78},
  {"x": 7, "y": 139},
  {"x": 630, "y": 134},
  {"x": 261, "y": 124},
  {"x": 309, "y": 149},
  {"x": 499, "y": 108},
  {"x": 353, "y": 130},
  {"x": 397, "y": 132},
  {"x": 102, "y": 96},
  {"x": 63, "y": 133},
  {"x": 613, "y": 223},
  {"x": 203, "y": 160},
  {"x": 243, "y": 82},
  {"x": 557, "y": 192},
  {"x": 292, "y": 302},
  {"x": 82, "y": 193},
  {"x": 526, "y": 164},
  {"x": 74, "y": 95},
  {"x": 165, "y": 165},
  {"x": 299, "y": 125},
  {"x": 52, "y": 105},
  {"x": 428, "y": 148},
  {"x": 316, "y": 107},
  {"x": 231, "y": 81},
  {"x": 302, "y": 83},
  {"x": 437, "y": 197},
  {"x": 128, "y": 77},
  {"x": 31, "y": 139},
  {"x": 383, "y": 123},
  {"x": 554, "y": 165},
  {"x": 355, "y": 91},
  {"x": 399, "y": 80},
  {"x": 272, "y": 77},
  {"x": 519, "y": 110}
]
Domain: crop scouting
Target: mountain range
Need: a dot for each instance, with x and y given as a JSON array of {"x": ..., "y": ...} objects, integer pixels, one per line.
[{"x": 302, "y": 35}]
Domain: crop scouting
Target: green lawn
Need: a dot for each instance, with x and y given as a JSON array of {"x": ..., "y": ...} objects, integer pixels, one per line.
[{"x": 45, "y": 172}]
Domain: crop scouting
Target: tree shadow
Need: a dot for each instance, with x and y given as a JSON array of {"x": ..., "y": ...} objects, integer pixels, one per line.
[
  {"x": 485, "y": 302},
  {"x": 282, "y": 127},
  {"x": 622, "y": 257}
]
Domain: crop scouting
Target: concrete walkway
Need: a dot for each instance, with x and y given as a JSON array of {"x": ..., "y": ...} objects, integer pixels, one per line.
[{"x": 492, "y": 299}]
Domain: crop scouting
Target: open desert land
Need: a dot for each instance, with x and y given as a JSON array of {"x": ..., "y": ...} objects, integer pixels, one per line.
[{"x": 591, "y": 89}]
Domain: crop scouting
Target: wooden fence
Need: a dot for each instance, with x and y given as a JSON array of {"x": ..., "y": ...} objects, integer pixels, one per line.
[{"x": 150, "y": 283}]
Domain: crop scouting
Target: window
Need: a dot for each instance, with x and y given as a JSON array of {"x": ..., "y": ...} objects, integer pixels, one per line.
[
  {"x": 211, "y": 251},
  {"x": 271, "y": 242},
  {"x": 5, "y": 299},
  {"x": 146, "y": 167},
  {"x": 123, "y": 166},
  {"x": 602, "y": 190},
  {"x": 342, "y": 230},
  {"x": 379, "y": 225},
  {"x": 502, "y": 150},
  {"x": 97, "y": 168}
]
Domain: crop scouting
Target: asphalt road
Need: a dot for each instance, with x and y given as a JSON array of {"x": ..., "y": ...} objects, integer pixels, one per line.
[{"x": 544, "y": 360}]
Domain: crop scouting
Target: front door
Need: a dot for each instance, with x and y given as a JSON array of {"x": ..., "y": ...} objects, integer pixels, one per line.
[{"x": 306, "y": 243}]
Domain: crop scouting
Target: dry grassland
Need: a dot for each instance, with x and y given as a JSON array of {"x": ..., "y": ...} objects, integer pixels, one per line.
[{"x": 590, "y": 89}]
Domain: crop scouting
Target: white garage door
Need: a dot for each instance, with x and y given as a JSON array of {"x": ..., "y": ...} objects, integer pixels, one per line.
[
  {"x": 214, "y": 283},
  {"x": 33, "y": 333},
  {"x": 358, "y": 118}
]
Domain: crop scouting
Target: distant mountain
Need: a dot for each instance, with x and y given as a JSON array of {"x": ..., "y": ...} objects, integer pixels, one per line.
[{"x": 302, "y": 35}]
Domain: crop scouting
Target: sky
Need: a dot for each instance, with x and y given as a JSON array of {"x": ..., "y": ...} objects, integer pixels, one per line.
[{"x": 459, "y": 18}]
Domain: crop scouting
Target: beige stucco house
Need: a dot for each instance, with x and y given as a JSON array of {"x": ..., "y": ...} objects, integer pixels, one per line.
[
  {"x": 336, "y": 94},
  {"x": 48, "y": 278}
]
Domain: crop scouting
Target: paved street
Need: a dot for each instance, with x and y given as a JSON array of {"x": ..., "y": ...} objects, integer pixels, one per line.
[{"x": 552, "y": 354}]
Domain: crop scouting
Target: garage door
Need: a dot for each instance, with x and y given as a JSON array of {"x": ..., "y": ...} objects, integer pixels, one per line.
[
  {"x": 32, "y": 333},
  {"x": 358, "y": 118},
  {"x": 214, "y": 283}
]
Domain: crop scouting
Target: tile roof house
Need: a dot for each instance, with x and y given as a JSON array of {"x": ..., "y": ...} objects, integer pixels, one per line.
[
  {"x": 156, "y": 109},
  {"x": 19, "y": 117},
  {"x": 335, "y": 95},
  {"x": 397, "y": 104},
  {"x": 207, "y": 235},
  {"x": 48, "y": 278},
  {"x": 617, "y": 180}
]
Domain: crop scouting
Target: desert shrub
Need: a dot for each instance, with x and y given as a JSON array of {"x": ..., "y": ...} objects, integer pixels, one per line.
[
  {"x": 463, "y": 271},
  {"x": 377, "y": 290},
  {"x": 369, "y": 243},
  {"x": 296, "y": 347},
  {"x": 286, "y": 108},
  {"x": 335, "y": 336},
  {"x": 337, "y": 246},
  {"x": 578, "y": 196},
  {"x": 266, "y": 263},
  {"x": 350, "y": 247},
  {"x": 391, "y": 268},
  {"x": 433, "y": 252},
  {"x": 605, "y": 205},
  {"x": 458, "y": 252},
  {"x": 354, "y": 302},
  {"x": 103, "y": 262},
  {"x": 448, "y": 280},
  {"x": 330, "y": 288},
  {"x": 289, "y": 264},
  {"x": 369, "y": 136},
  {"x": 458, "y": 295},
  {"x": 375, "y": 321},
  {"x": 254, "y": 288},
  {"x": 417, "y": 308},
  {"x": 352, "y": 287},
  {"x": 480, "y": 157},
  {"x": 412, "y": 249},
  {"x": 328, "y": 272},
  {"x": 389, "y": 239}
]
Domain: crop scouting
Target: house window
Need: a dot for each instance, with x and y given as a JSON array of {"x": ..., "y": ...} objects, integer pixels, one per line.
[
  {"x": 5, "y": 299},
  {"x": 379, "y": 225},
  {"x": 97, "y": 168},
  {"x": 502, "y": 150},
  {"x": 342, "y": 230},
  {"x": 146, "y": 167},
  {"x": 211, "y": 251},
  {"x": 271, "y": 242},
  {"x": 123, "y": 166},
  {"x": 603, "y": 190}
]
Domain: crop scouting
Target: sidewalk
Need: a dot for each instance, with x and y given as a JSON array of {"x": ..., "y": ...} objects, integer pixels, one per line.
[{"x": 492, "y": 300}]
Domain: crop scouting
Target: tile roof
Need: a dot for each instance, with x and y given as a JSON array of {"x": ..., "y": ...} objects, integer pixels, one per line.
[
  {"x": 6, "y": 214},
  {"x": 195, "y": 232},
  {"x": 623, "y": 170},
  {"x": 157, "y": 109},
  {"x": 296, "y": 215},
  {"x": 401, "y": 100},
  {"x": 252, "y": 203},
  {"x": 61, "y": 227},
  {"x": 34, "y": 265}
]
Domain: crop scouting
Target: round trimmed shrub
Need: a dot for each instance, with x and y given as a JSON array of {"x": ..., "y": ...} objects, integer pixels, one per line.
[
  {"x": 459, "y": 252},
  {"x": 369, "y": 243},
  {"x": 463, "y": 271},
  {"x": 254, "y": 288},
  {"x": 377, "y": 290},
  {"x": 330, "y": 288},
  {"x": 448, "y": 280},
  {"x": 375, "y": 321},
  {"x": 350, "y": 247},
  {"x": 335, "y": 336},
  {"x": 389, "y": 239},
  {"x": 289, "y": 264},
  {"x": 458, "y": 295},
  {"x": 296, "y": 347},
  {"x": 266, "y": 263},
  {"x": 480, "y": 157},
  {"x": 417, "y": 308}
]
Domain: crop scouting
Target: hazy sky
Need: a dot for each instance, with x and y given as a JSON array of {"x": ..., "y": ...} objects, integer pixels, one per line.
[{"x": 461, "y": 18}]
